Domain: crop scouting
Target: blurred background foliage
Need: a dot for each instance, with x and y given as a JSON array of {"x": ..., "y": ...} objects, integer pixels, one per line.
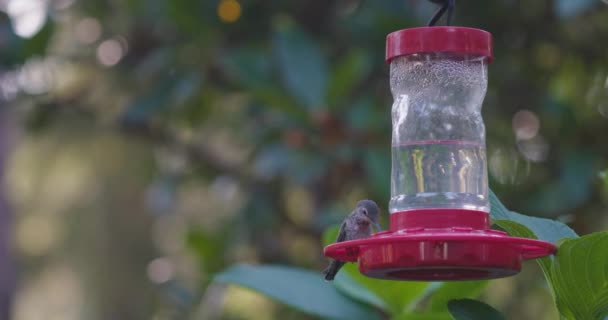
[{"x": 147, "y": 145}]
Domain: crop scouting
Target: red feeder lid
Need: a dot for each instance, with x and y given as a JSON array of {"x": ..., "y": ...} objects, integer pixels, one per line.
[
  {"x": 439, "y": 39},
  {"x": 440, "y": 245}
]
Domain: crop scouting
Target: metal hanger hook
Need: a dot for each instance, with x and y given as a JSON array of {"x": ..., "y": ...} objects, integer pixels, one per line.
[{"x": 446, "y": 5}]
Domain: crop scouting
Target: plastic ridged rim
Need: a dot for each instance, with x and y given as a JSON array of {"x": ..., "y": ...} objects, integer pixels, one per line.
[
  {"x": 440, "y": 255},
  {"x": 411, "y": 252}
]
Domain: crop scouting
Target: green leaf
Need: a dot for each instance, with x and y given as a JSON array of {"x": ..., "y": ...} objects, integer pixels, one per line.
[
  {"x": 519, "y": 230},
  {"x": 377, "y": 165},
  {"x": 454, "y": 290},
  {"x": 573, "y": 187},
  {"x": 151, "y": 104},
  {"x": 519, "y": 225},
  {"x": 17, "y": 50},
  {"x": 359, "y": 115},
  {"x": 207, "y": 247},
  {"x": 580, "y": 277},
  {"x": 348, "y": 72},
  {"x": 569, "y": 8},
  {"x": 303, "y": 65},
  {"x": 353, "y": 288},
  {"x": 467, "y": 309},
  {"x": 305, "y": 167},
  {"x": 346, "y": 283},
  {"x": 301, "y": 289},
  {"x": 38, "y": 44},
  {"x": 185, "y": 14},
  {"x": 604, "y": 177},
  {"x": 330, "y": 235},
  {"x": 249, "y": 66},
  {"x": 424, "y": 316},
  {"x": 398, "y": 296},
  {"x": 394, "y": 297},
  {"x": 544, "y": 229}
]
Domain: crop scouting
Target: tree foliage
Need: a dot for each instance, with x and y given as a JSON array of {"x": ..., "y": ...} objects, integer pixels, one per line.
[{"x": 245, "y": 129}]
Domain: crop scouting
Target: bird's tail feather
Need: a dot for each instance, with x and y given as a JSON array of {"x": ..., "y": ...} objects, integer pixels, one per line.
[{"x": 333, "y": 268}]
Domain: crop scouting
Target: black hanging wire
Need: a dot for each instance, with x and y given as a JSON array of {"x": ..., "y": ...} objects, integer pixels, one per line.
[{"x": 446, "y": 5}]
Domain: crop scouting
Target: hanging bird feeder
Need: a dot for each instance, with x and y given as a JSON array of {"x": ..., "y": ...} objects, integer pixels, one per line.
[{"x": 439, "y": 221}]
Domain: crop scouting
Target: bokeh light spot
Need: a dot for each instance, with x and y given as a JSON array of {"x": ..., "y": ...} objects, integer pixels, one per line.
[
  {"x": 242, "y": 303},
  {"x": 27, "y": 16},
  {"x": 597, "y": 95},
  {"x": 602, "y": 108},
  {"x": 506, "y": 166},
  {"x": 53, "y": 292},
  {"x": 9, "y": 86},
  {"x": 36, "y": 235},
  {"x": 302, "y": 250},
  {"x": 160, "y": 270},
  {"x": 299, "y": 205},
  {"x": 525, "y": 125},
  {"x": 110, "y": 52},
  {"x": 36, "y": 76},
  {"x": 535, "y": 149},
  {"x": 88, "y": 30},
  {"x": 229, "y": 11}
]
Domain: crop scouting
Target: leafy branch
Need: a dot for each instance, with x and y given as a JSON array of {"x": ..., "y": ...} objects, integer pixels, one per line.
[{"x": 576, "y": 275}]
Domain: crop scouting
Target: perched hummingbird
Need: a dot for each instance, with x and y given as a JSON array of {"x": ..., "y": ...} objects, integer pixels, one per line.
[{"x": 358, "y": 225}]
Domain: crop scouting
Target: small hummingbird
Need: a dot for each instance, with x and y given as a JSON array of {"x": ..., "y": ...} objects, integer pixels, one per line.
[{"x": 358, "y": 225}]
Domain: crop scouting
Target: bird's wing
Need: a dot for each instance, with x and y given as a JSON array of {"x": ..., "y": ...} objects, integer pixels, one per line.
[{"x": 342, "y": 233}]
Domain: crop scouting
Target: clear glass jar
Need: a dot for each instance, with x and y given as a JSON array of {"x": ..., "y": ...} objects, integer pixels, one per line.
[{"x": 438, "y": 143}]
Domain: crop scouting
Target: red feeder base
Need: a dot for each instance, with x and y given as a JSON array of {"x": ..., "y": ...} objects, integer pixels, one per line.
[{"x": 454, "y": 244}]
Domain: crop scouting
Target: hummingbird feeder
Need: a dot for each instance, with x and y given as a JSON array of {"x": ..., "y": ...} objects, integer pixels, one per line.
[{"x": 439, "y": 221}]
